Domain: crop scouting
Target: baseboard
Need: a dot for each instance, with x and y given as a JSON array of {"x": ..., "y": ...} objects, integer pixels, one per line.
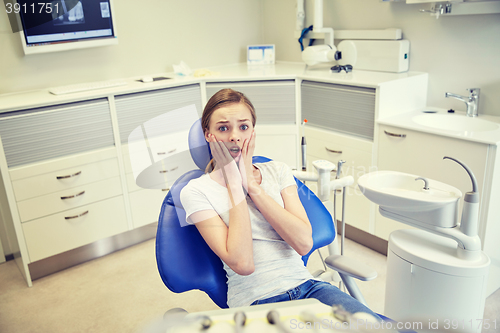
[
  {"x": 88, "y": 252},
  {"x": 366, "y": 239}
]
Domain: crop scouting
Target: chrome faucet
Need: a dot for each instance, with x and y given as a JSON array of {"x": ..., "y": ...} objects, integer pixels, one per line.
[{"x": 472, "y": 101}]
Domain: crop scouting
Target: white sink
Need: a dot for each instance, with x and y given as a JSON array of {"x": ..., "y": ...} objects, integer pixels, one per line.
[
  {"x": 455, "y": 122},
  {"x": 399, "y": 193}
]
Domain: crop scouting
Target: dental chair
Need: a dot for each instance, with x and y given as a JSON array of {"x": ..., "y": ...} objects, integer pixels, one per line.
[{"x": 185, "y": 262}]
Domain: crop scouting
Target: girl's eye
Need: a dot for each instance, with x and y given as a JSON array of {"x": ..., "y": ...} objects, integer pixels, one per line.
[
  {"x": 223, "y": 128},
  {"x": 244, "y": 127}
]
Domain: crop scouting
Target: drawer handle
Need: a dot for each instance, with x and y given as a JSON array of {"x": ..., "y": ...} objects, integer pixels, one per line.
[
  {"x": 165, "y": 189},
  {"x": 333, "y": 151},
  {"x": 395, "y": 135},
  {"x": 173, "y": 169},
  {"x": 168, "y": 152},
  {"x": 69, "y": 176},
  {"x": 76, "y": 216},
  {"x": 73, "y": 196}
]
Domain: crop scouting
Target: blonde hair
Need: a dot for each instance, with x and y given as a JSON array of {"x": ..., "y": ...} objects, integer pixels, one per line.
[{"x": 221, "y": 99}]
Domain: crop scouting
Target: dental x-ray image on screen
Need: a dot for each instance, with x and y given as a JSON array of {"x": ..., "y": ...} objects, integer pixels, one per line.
[{"x": 72, "y": 15}]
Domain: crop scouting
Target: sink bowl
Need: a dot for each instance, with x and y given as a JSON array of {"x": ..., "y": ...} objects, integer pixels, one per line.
[
  {"x": 455, "y": 122},
  {"x": 399, "y": 193}
]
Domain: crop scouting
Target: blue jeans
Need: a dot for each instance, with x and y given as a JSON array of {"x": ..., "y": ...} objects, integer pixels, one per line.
[{"x": 324, "y": 292}]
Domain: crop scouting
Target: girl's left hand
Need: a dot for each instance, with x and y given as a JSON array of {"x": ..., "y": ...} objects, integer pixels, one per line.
[{"x": 245, "y": 163}]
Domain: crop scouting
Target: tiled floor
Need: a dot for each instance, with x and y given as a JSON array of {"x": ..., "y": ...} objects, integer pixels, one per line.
[{"x": 123, "y": 292}]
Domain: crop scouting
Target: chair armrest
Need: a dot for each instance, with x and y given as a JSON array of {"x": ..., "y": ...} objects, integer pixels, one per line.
[{"x": 351, "y": 267}]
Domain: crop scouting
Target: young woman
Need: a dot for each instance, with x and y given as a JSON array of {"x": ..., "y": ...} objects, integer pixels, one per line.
[{"x": 251, "y": 215}]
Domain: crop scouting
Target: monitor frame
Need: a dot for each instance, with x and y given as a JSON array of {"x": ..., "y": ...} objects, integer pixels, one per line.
[{"x": 70, "y": 44}]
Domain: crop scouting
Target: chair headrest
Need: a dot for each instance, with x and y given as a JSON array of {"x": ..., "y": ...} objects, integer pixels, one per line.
[{"x": 198, "y": 146}]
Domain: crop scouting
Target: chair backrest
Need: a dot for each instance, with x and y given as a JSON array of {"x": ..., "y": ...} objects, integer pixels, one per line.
[{"x": 185, "y": 262}]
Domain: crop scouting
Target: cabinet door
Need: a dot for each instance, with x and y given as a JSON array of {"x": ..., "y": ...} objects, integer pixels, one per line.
[
  {"x": 422, "y": 154},
  {"x": 134, "y": 110},
  {"x": 45, "y": 133},
  {"x": 340, "y": 108}
]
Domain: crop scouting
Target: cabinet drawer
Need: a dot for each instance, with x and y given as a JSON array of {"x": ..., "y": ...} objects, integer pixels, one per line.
[
  {"x": 334, "y": 147},
  {"x": 169, "y": 145},
  {"x": 66, "y": 162},
  {"x": 333, "y": 152},
  {"x": 68, "y": 199},
  {"x": 145, "y": 206},
  {"x": 64, "y": 179},
  {"x": 155, "y": 149},
  {"x": 54, "y": 234}
]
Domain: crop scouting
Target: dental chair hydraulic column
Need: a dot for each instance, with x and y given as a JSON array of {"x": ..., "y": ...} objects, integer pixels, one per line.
[{"x": 344, "y": 267}]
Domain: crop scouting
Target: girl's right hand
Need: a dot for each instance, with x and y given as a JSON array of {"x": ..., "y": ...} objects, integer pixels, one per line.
[{"x": 225, "y": 162}]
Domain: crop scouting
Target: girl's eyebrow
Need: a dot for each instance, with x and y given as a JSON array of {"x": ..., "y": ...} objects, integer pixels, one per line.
[{"x": 226, "y": 121}]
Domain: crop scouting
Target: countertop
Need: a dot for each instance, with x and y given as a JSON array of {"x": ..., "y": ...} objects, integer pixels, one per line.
[
  {"x": 405, "y": 121},
  {"x": 236, "y": 72}
]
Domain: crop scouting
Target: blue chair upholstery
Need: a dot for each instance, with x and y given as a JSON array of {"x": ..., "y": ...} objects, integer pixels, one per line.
[{"x": 185, "y": 262}]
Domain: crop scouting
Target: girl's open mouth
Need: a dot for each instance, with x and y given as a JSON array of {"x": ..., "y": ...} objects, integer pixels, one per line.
[{"x": 235, "y": 149}]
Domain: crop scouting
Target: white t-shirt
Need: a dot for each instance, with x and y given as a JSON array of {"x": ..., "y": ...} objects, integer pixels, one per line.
[{"x": 278, "y": 267}]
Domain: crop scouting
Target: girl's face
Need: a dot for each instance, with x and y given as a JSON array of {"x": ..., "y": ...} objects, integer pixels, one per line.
[{"x": 232, "y": 125}]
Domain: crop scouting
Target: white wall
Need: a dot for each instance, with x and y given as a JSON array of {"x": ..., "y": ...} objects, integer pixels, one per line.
[
  {"x": 153, "y": 35},
  {"x": 458, "y": 52}
]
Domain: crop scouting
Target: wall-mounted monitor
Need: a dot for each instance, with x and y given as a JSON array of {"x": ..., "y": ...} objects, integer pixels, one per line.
[{"x": 59, "y": 25}]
